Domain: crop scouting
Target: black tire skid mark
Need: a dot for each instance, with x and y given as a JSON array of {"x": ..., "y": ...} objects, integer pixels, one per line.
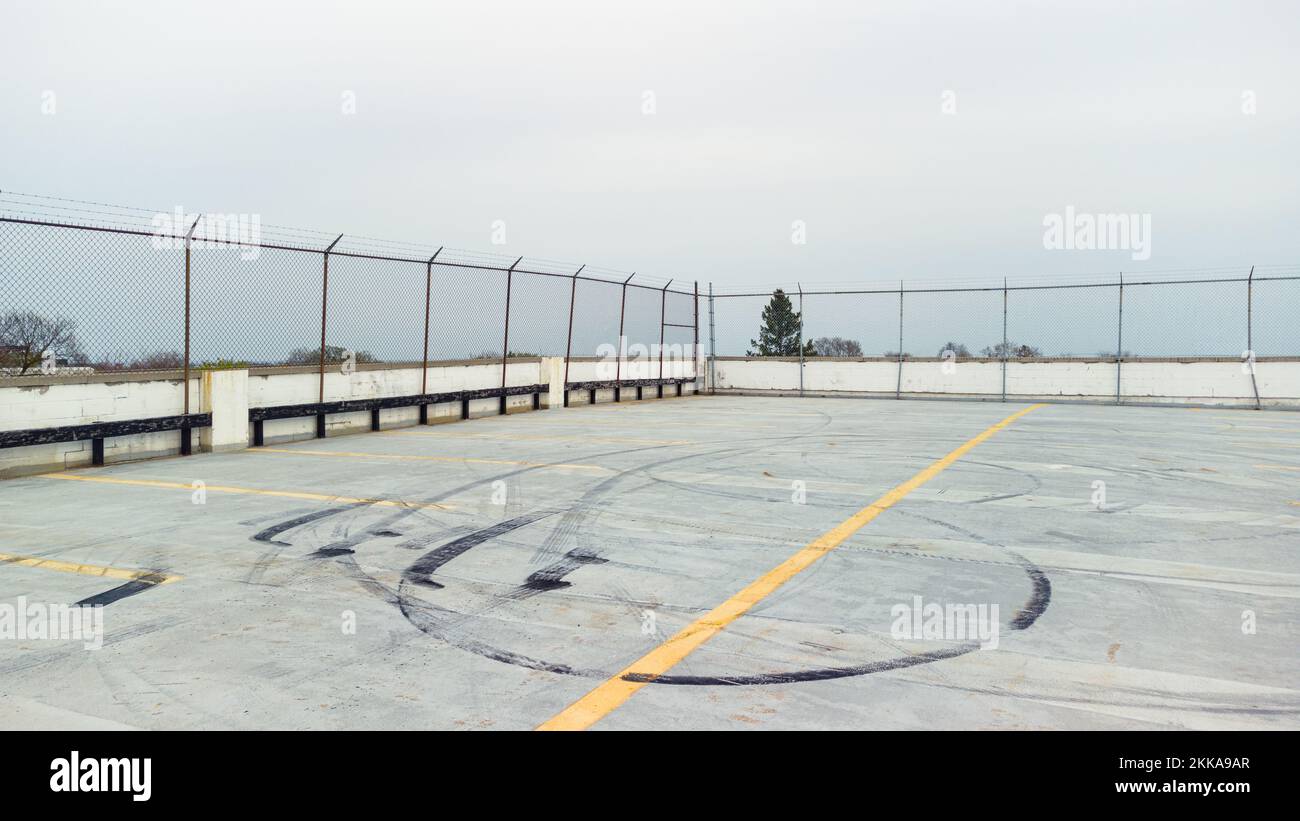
[
  {"x": 552, "y": 549},
  {"x": 399, "y": 598},
  {"x": 569, "y": 526},
  {"x": 1037, "y": 483},
  {"x": 1138, "y": 474},
  {"x": 422, "y": 569},
  {"x": 814, "y": 468},
  {"x": 39, "y": 657},
  {"x": 1076, "y": 539},
  {"x": 131, "y": 588},
  {"x": 1041, "y": 587},
  {"x": 442, "y": 622},
  {"x": 582, "y": 508},
  {"x": 269, "y": 536},
  {"x": 552, "y": 576},
  {"x": 137, "y": 700},
  {"x": 1023, "y": 619},
  {"x": 434, "y": 621},
  {"x": 817, "y": 674}
]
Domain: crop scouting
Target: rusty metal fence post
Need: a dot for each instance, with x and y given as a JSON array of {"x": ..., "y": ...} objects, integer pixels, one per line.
[
  {"x": 1250, "y": 336},
  {"x": 187, "y": 444},
  {"x": 898, "y": 390},
  {"x": 711, "y": 367},
  {"x": 1004, "y": 339},
  {"x": 695, "y": 347},
  {"x": 324, "y": 312},
  {"x": 424, "y": 360},
  {"x": 1119, "y": 344},
  {"x": 800, "y": 284},
  {"x": 568, "y": 347},
  {"x": 505, "y": 343},
  {"x": 622, "y": 349},
  {"x": 663, "y": 307}
]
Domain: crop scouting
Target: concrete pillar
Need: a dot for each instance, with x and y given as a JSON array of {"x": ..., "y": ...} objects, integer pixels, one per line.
[
  {"x": 552, "y": 372},
  {"x": 224, "y": 394}
]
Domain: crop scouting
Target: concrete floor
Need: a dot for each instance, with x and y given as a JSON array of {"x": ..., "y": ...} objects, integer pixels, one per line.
[{"x": 504, "y": 567}]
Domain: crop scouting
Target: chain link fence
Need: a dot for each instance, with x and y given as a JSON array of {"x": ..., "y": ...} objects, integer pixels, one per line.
[
  {"x": 94, "y": 288},
  {"x": 1254, "y": 313},
  {"x": 89, "y": 287}
]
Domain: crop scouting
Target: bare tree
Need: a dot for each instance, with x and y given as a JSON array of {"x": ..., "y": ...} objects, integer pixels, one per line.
[
  {"x": 836, "y": 346},
  {"x": 160, "y": 361},
  {"x": 333, "y": 354},
  {"x": 958, "y": 350},
  {"x": 1011, "y": 350},
  {"x": 25, "y": 336}
]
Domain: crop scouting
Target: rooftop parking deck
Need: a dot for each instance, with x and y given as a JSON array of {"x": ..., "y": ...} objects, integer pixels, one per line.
[{"x": 702, "y": 562}]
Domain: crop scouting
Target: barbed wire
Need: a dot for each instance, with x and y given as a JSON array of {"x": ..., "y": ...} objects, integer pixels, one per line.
[{"x": 73, "y": 213}]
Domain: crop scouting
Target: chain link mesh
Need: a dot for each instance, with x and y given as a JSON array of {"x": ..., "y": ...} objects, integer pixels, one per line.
[
  {"x": 1210, "y": 318},
  {"x": 1063, "y": 322},
  {"x": 967, "y": 322},
  {"x": 869, "y": 320},
  {"x": 1275, "y": 316},
  {"x": 108, "y": 301},
  {"x": 111, "y": 298}
]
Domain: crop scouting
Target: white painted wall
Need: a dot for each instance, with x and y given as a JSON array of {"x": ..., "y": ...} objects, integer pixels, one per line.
[
  {"x": 81, "y": 400},
  {"x": 1165, "y": 381},
  {"x": 592, "y": 369},
  {"x": 46, "y": 402},
  {"x": 224, "y": 394},
  {"x": 268, "y": 389},
  {"x": 605, "y": 370}
]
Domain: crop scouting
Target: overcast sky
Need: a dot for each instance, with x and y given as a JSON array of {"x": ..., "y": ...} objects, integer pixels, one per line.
[{"x": 763, "y": 114}]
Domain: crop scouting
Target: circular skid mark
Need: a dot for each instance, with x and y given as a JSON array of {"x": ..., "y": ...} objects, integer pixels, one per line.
[{"x": 448, "y": 625}]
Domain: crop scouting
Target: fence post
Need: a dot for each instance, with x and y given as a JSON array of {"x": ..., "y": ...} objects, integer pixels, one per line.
[
  {"x": 505, "y": 343},
  {"x": 1004, "y": 339},
  {"x": 695, "y": 347},
  {"x": 622, "y": 349},
  {"x": 1250, "y": 338},
  {"x": 424, "y": 362},
  {"x": 324, "y": 310},
  {"x": 568, "y": 348},
  {"x": 1119, "y": 345},
  {"x": 898, "y": 391},
  {"x": 800, "y": 284},
  {"x": 186, "y": 438},
  {"x": 711, "y": 367},
  {"x": 663, "y": 317}
]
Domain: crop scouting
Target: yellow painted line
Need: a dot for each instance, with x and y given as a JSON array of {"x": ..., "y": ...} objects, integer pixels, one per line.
[
  {"x": 607, "y": 697},
  {"x": 1277, "y": 467},
  {"x": 288, "y": 494},
  {"x": 408, "y": 457},
  {"x": 512, "y": 437},
  {"x": 82, "y": 569}
]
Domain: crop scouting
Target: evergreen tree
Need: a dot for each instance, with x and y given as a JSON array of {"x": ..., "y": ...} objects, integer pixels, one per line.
[{"x": 779, "y": 333}]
